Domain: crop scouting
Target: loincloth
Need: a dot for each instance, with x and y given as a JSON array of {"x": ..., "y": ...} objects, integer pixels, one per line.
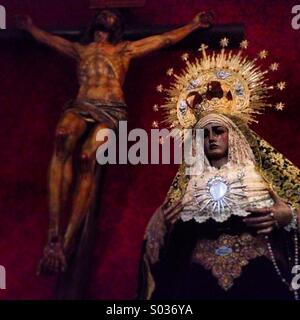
[{"x": 98, "y": 111}]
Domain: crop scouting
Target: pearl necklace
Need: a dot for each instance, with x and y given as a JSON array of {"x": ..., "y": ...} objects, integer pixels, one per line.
[{"x": 296, "y": 262}]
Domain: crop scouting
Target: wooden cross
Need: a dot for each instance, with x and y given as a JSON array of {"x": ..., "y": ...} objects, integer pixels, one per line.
[
  {"x": 100, "y": 4},
  {"x": 211, "y": 37}
]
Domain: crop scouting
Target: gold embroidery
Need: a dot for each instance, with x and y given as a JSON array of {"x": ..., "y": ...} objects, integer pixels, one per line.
[{"x": 227, "y": 255}]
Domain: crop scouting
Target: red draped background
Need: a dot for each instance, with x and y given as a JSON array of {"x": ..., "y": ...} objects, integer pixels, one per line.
[{"x": 34, "y": 84}]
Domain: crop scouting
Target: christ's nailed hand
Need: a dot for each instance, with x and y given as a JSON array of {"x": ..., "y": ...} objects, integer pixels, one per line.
[
  {"x": 24, "y": 22},
  {"x": 204, "y": 19}
]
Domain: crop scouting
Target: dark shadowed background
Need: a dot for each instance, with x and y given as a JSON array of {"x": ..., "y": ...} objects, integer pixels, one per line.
[{"x": 35, "y": 82}]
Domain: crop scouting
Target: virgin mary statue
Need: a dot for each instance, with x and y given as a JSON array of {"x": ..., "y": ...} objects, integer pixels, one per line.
[{"x": 230, "y": 230}]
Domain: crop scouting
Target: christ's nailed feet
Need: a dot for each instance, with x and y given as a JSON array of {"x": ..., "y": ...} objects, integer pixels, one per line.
[{"x": 54, "y": 260}]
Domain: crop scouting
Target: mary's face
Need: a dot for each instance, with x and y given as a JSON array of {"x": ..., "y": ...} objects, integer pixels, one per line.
[{"x": 215, "y": 141}]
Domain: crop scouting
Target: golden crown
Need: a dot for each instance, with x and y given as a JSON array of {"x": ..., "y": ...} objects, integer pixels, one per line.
[{"x": 225, "y": 82}]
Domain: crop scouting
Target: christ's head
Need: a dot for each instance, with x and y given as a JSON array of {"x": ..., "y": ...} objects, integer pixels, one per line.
[{"x": 108, "y": 25}]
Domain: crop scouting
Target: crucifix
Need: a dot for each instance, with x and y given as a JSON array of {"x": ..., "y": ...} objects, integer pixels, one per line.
[{"x": 99, "y": 106}]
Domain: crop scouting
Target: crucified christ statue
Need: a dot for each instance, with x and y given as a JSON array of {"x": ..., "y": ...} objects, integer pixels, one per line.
[{"x": 102, "y": 67}]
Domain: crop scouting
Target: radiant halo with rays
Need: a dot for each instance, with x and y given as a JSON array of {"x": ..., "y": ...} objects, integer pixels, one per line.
[{"x": 245, "y": 83}]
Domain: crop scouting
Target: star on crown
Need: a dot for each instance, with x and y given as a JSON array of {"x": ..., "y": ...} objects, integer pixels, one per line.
[
  {"x": 160, "y": 88},
  {"x": 170, "y": 72},
  {"x": 274, "y": 66},
  {"x": 224, "y": 42},
  {"x": 280, "y": 106},
  {"x": 281, "y": 85},
  {"x": 155, "y": 108},
  {"x": 263, "y": 54},
  {"x": 244, "y": 44},
  {"x": 185, "y": 56},
  {"x": 155, "y": 124}
]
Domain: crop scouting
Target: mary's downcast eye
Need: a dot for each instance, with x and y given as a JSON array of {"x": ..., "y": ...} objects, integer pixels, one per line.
[{"x": 219, "y": 131}]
